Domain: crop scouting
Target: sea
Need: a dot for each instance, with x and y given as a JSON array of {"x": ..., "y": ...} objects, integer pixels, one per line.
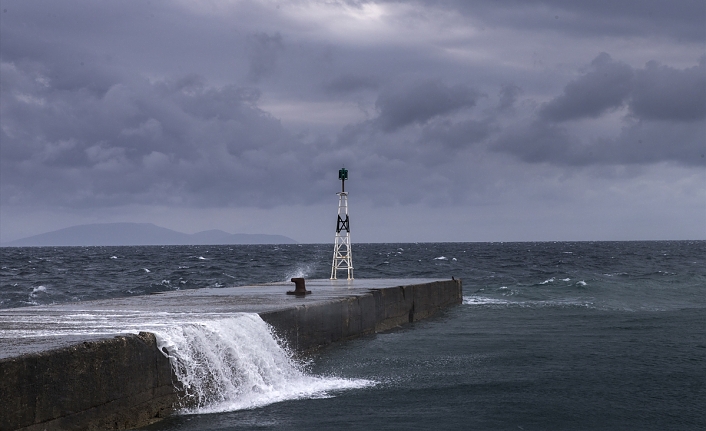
[{"x": 550, "y": 335}]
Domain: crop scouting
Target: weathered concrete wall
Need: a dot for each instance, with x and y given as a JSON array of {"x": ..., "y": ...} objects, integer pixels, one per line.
[
  {"x": 125, "y": 382},
  {"x": 117, "y": 383},
  {"x": 307, "y": 327}
]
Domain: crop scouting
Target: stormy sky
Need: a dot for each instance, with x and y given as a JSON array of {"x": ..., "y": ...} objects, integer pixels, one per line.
[{"x": 484, "y": 120}]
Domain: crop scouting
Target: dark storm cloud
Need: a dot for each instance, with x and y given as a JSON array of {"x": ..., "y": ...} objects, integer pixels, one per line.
[
  {"x": 351, "y": 83},
  {"x": 179, "y": 141},
  {"x": 678, "y": 19},
  {"x": 682, "y": 19},
  {"x": 540, "y": 142},
  {"x": 456, "y": 135},
  {"x": 70, "y": 69},
  {"x": 605, "y": 86},
  {"x": 664, "y": 93},
  {"x": 419, "y": 102},
  {"x": 656, "y": 92},
  {"x": 639, "y": 143},
  {"x": 102, "y": 112},
  {"x": 647, "y": 142},
  {"x": 164, "y": 103},
  {"x": 665, "y": 120},
  {"x": 263, "y": 50},
  {"x": 508, "y": 96}
]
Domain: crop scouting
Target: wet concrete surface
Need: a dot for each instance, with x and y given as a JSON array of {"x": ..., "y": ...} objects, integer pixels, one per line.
[{"x": 39, "y": 328}]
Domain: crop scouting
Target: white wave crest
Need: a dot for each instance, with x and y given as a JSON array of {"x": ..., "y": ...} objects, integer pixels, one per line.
[
  {"x": 37, "y": 290},
  {"x": 551, "y": 303},
  {"x": 481, "y": 300}
]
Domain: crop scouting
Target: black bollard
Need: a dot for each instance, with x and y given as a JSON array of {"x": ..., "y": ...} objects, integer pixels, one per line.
[{"x": 299, "y": 288}]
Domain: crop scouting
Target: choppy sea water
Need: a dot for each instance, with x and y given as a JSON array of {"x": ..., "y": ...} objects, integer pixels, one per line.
[{"x": 558, "y": 335}]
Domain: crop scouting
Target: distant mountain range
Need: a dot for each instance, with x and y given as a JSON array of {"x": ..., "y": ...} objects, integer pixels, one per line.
[{"x": 141, "y": 234}]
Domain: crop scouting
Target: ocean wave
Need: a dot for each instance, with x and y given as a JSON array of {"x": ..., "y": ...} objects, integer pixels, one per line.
[
  {"x": 528, "y": 303},
  {"x": 38, "y": 289},
  {"x": 480, "y": 300},
  {"x": 640, "y": 276},
  {"x": 614, "y": 304}
]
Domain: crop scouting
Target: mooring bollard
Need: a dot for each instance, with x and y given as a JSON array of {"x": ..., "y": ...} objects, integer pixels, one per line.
[{"x": 299, "y": 288}]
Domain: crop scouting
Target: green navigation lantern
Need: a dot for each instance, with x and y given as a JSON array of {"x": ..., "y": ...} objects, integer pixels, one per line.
[{"x": 343, "y": 176}]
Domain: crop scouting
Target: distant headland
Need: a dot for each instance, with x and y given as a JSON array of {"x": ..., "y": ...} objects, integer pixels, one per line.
[{"x": 115, "y": 234}]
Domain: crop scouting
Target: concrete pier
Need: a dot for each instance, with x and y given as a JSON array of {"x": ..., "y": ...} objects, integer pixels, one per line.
[{"x": 51, "y": 378}]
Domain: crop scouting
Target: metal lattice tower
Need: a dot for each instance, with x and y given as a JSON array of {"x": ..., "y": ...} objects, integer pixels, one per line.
[{"x": 342, "y": 257}]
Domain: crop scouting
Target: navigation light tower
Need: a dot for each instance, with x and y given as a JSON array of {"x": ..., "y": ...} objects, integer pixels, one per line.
[{"x": 342, "y": 258}]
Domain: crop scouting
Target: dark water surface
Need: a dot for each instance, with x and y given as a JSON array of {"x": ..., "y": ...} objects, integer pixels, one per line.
[{"x": 566, "y": 335}]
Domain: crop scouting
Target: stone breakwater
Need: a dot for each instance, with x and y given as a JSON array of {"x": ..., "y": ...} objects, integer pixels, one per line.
[{"x": 56, "y": 379}]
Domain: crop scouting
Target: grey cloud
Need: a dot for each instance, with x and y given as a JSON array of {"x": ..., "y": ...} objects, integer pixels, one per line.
[
  {"x": 263, "y": 50},
  {"x": 642, "y": 142},
  {"x": 682, "y": 20},
  {"x": 420, "y": 102},
  {"x": 539, "y": 142},
  {"x": 666, "y": 120},
  {"x": 70, "y": 71},
  {"x": 168, "y": 107},
  {"x": 664, "y": 93},
  {"x": 508, "y": 96},
  {"x": 456, "y": 135},
  {"x": 604, "y": 87},
  {"x": 172, "y": 142},
  {"x": 653, "y": 142},
  {"x": 655, "y": 92},
  {"x": 351, "y": 83}
]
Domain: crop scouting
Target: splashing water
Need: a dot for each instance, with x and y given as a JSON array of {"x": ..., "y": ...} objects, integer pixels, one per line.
[
  {"x": 223, "y": 362},
  {"x": 301, "y": 271},
  {"x": 236, "y": 363}
]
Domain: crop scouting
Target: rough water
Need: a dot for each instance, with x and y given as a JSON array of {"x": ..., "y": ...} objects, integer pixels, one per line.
[{"x": 559, "y": 335}]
